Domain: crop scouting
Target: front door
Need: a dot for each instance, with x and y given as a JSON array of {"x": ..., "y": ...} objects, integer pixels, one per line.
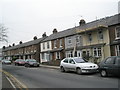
[{"x": 79, "y": 54}]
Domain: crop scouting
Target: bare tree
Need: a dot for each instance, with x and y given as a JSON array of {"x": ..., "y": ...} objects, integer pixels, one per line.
[{"x": 3, "y": 33}]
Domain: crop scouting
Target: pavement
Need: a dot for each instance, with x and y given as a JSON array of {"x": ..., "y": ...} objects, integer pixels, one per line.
[{"x": 48, "y": 66}]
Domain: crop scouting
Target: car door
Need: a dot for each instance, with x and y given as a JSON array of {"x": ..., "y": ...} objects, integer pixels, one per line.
[
  {"x": 71, "y": 65},
  {"x": 109, "y": 64},
  {"x": 117, "y": 65},
  {"x": 65, "y": 64}
]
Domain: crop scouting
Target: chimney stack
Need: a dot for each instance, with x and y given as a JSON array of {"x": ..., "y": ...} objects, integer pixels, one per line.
[
  {"x": 55, "y": 31},
  {"x": 82, "y": 22},
  {"x": 35, "y": 38},
  {"x": 44, "y": 35}
]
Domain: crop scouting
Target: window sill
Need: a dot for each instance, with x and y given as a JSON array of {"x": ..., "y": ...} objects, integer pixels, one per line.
[{"x": 117, "y": 38}]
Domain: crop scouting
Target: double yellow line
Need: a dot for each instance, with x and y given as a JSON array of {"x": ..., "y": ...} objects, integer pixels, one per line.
[{"x": 15, "y": 81}]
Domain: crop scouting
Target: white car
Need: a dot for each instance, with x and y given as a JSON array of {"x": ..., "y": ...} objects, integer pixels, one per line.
[
  {"x": 78, "y": 65},
  {"x": 6, "y": 61}
]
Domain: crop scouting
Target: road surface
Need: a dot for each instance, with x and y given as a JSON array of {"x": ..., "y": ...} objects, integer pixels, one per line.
[{"x": 52, "y": 78}]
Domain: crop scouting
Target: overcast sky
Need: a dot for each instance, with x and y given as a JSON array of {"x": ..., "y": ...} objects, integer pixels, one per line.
[{"x": 28, "y": 18}]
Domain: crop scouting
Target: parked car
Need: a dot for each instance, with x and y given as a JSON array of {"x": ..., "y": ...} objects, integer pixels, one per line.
[
  {"x": 78, "y": 65},
  {"x": 6, "y": 61},
  {"x": 110, "y": 65},
  {"x": 19, "y": 62},
  {"x": 31, "y": 62}
]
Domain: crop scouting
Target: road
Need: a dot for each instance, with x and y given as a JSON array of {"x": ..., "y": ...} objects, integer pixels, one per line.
[{"x": 53, "y": 78}]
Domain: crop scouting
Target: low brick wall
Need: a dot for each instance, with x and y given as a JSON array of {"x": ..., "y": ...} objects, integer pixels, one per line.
[{"x": 52, "y": 63}]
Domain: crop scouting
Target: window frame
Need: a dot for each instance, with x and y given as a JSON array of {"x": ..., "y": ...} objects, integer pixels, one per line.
[
  {"x": 113, "y": 60},
  {"x": 43, "y": 45},
  {"x": 69, "y": 41},
  {"x": 55, "y": 43},
  {"x": 57, "y": 55},
  {"x": 48, "y": 45},
  {"x": 98, "y": 51},
  {"x": 117, "y": 50},
  {"x": 117, "y": 28},
  {"x": 66, "y": 60},
  {"x": 61, "y": 43},
  {"x": 100, "y": 35},
  {"x": 71, "y": 61},
  {"x": 90, "y": 37}
]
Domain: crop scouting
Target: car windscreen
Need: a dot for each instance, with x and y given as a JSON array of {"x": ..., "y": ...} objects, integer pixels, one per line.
[
  {"x": 32, "y": 60},
  {"x": 79, "y": 60}
]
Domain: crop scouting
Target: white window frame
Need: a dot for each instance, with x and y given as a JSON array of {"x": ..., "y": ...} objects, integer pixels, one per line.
[
  {"x": 60, "y": 42},
  {"x": 48, "y": 45},
  {"x": 69, "y": 41},
  {"x": 117, "y": 28},
  {"x": 100, "y": 35},
  {"x": 90, "y": 37},
  {"x": 57, "y": 55},
  {"x": 43, "y": 45},
  {"x": 69, "y": 54},
  {"x": 77, "y": 39},
  {"x": 55, "y": 43},
  {"x": 117, "y": 50},
  {"x": 98, "y": 52}
]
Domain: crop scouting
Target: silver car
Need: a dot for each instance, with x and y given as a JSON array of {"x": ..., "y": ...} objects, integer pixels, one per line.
[{"x": 78, "y": 65}]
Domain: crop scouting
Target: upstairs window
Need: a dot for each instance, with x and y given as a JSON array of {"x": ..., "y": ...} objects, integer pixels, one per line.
[
  {"x": 100, "y": 35},
  {"x": 60, "y": 42},
  {"x": 118, "y": 32},
  {"x": 35, "y": 49},
  {"x": 79, "y": 40},
  {"x": 43, "y": 45},
  {"x": 69, "y": 41},
  {"x": 89, "y": 37},
  {"x": 48, "y": 46},
  {"x": 55, "y": 43}
]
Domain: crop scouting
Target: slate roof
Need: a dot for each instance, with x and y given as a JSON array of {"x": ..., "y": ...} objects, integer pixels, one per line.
[
  {"x": 33, "y": 42},
  {"x": 112, "y": 20},
  {"x": 108, "y": 21},
  {"x": 60, "y": 34}
]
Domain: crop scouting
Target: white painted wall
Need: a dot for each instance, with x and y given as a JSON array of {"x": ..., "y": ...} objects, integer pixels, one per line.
[{"x": 46, "y": 49}]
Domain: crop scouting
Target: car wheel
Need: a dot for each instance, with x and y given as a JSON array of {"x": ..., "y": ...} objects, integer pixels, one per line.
[
  {"x": 62, "y": 69},
  {"x": 37, "y": 65},
  {"x": 103, "y": 73},
  {"x": 27, "y": 65},
  {"x": 78, "y": 70}
]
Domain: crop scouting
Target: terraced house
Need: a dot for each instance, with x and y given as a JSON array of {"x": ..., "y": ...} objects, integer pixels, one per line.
[
  {"x": 114, "y": 32},
  {"x": 28, "y": 50},
  {"x": 53, "y": 47},
  {"x": 93, "y": 41}
]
